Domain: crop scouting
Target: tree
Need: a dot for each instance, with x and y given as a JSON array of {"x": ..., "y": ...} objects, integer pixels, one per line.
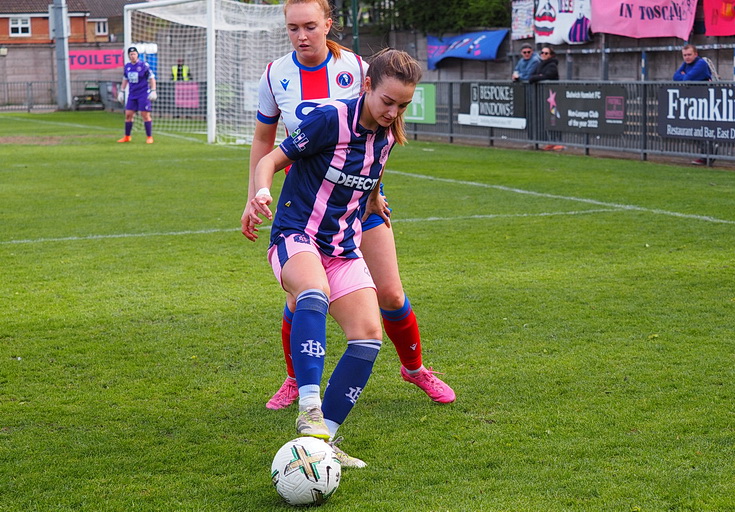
[{"x": 437, "y": 17}]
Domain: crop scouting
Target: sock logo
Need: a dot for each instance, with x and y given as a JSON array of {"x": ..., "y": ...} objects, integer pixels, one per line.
[
  {"x": 313, "y": 348},
  {"x": 354, "y": 394},
  {"x": 413, "y": 347}
]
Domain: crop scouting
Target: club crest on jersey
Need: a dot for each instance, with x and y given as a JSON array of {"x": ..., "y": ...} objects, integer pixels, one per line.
[
  {"x": 345, "y": 79},
  {"x": 384, "y": 154},
  {"x": 300, "y": 139}
]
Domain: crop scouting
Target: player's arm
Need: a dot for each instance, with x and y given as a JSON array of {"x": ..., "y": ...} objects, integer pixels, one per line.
[
  {"x": 121, "y": 91},
  {"x": 263, "y": 141},
  {"x": 377, "y": 204},
  {"x": 152, "y": 95},
  {"x": 262, "y": 181}
]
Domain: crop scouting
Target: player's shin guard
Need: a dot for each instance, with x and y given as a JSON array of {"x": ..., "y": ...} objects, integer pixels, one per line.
[
  {"x": 148, "y": 128},
  {"x": 348, "y": 380},
  {"x": 286, "y": 340},
  {"x": 309, "y": 337},
  {"x": 403, "y": 330}
]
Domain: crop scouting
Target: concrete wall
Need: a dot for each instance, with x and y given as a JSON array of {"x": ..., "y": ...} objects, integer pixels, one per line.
[
  {"x": 576, "y": 62},
  {"x": 37, "y": 63}
]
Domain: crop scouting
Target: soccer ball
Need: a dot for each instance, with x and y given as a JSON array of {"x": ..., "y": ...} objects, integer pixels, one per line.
[{"x": 305, "y": 471}]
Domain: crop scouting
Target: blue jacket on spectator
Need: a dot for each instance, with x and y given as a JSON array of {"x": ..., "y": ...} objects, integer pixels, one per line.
[
  {"x": 697, "y": 71},
  {"x": 526, "y": 67}
]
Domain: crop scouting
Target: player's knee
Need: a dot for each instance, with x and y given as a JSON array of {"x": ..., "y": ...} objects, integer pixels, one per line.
[{"x": 391, "y": 298}]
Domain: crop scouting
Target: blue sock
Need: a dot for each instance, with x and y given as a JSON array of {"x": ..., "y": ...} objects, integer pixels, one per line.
[
  {"x": 148, "y": 128},
  {"x": 348, "y": 380},
  {"x": 309, "y": 337},
  {"x": 128, "y": 128}
]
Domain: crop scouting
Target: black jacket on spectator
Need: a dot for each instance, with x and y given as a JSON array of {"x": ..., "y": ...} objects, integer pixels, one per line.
[{"x": 547, "y": 70}]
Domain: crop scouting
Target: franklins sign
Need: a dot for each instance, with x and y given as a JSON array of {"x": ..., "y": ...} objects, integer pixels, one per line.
[{"x": 697, "y": 111}]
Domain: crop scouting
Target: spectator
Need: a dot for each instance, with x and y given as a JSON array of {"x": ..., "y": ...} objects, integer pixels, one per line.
[
  {"x": 526, "y": 65},
  {"x": 180, "y": 72},
  {"x": 548, "y": 68},
  {"x": 694, "y": 69}
]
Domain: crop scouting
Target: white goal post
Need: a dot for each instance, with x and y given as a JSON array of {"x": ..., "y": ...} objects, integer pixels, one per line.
[{"x": 223, "y": 46}]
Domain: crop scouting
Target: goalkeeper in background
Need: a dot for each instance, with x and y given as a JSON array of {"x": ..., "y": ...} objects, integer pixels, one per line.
[{"x": 142, "y": 91}]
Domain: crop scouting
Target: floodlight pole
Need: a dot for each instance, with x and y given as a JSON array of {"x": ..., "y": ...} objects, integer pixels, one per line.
[
  {"x": 355, "y": 28},
  {"x": 59, "y": 15}
]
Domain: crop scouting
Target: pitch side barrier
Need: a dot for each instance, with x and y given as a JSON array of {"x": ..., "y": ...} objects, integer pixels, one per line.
[{"x": 688, "y": 119}]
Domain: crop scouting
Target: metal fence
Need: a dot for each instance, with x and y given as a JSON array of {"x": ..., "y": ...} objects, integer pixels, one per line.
[
  {"x": 640, "y": 133},
  {"x": 41, "y": 96}
]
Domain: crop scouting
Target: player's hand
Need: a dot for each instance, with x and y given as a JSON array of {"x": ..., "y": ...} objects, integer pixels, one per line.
[
  {"x": 153, "y": 95},
  {"x": 120, "y": 97},
  {"x": 378, "y": 205},
  {"x": 255, "y": 207}
]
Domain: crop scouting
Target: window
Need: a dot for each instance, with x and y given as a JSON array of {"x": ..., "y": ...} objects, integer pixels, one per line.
[
  {"x": 20, "y": 27},
  {"x": 101, "y": 28}
]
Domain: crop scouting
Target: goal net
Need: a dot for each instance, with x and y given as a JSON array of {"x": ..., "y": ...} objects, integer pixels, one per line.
[{"x": 207, "y": 56}]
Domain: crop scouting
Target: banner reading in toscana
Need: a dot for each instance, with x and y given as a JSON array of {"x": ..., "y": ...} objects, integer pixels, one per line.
[
  {"x": 563, "y": 21},
  {"x": 719, "y": 17},
  {"x": 474, "y": 46},
  {"x": 644, "y": 18}
]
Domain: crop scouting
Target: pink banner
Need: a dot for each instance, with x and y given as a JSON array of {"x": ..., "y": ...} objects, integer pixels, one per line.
[
  {"x": 719, "y": 17},
  {"x": 96, "y": 59},
  {"x": 186, "y": 94},
  {"x": 644, "y": 18}
]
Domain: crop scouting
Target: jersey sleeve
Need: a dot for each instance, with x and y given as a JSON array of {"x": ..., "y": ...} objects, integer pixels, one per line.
[
  {"x": 316, "y": 132},
  {"x": 268, "y": 111}
]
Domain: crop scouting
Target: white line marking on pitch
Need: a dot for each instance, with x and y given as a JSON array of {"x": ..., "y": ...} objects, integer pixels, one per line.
[
  {"x": 566, "y": 198},
  {"x": 267, "y": 228}
]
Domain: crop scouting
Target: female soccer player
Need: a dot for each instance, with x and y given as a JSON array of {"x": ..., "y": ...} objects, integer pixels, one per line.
[
  {"x": 142, "y": 82},
  {"x": 338, "y": 154},
  {"x": 317, "y": 71}
]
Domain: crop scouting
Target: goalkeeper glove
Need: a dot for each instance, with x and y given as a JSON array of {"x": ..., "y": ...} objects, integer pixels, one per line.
[
  {"x": 120, "y": 97},
  {"x": 152, "y": 95}
]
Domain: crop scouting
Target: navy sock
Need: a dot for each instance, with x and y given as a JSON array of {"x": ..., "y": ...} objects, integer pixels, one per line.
[
  {"x": 349, "y": 378},
  {"x": 309, "y": 336}
]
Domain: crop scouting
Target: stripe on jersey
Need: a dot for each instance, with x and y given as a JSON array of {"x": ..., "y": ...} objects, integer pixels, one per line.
[{"x": 314, "y": 83}]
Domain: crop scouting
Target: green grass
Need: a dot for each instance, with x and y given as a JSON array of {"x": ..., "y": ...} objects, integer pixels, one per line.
[{"x": 582, "y": 308}]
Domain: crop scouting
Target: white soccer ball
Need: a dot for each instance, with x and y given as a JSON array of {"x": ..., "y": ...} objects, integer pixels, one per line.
[{"x": 305, "y": 471}]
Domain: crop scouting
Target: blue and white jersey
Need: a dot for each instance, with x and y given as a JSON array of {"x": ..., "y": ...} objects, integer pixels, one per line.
[
  {"x": 337, "y": 164},
  {"x": 137, "y": 76},
  {"x": 290, "y": 90}
]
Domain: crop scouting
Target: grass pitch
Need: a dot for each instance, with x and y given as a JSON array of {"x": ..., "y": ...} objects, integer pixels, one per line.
[{"x": 581, "y": 308}]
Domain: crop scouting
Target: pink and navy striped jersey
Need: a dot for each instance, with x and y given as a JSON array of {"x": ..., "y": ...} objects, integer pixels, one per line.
[
  {"x": 337, "y": 164},
  {"x": 290, "y": 90}
]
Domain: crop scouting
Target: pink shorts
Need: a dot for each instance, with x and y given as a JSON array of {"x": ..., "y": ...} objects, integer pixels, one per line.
[{"x": 344, "y": 275}]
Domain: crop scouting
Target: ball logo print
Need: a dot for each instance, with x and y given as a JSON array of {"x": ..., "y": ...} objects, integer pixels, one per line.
[{"x": 305, "y": 471}]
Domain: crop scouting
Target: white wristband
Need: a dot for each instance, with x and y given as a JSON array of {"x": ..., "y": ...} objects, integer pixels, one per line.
[{"x": 263, "y": 191}]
